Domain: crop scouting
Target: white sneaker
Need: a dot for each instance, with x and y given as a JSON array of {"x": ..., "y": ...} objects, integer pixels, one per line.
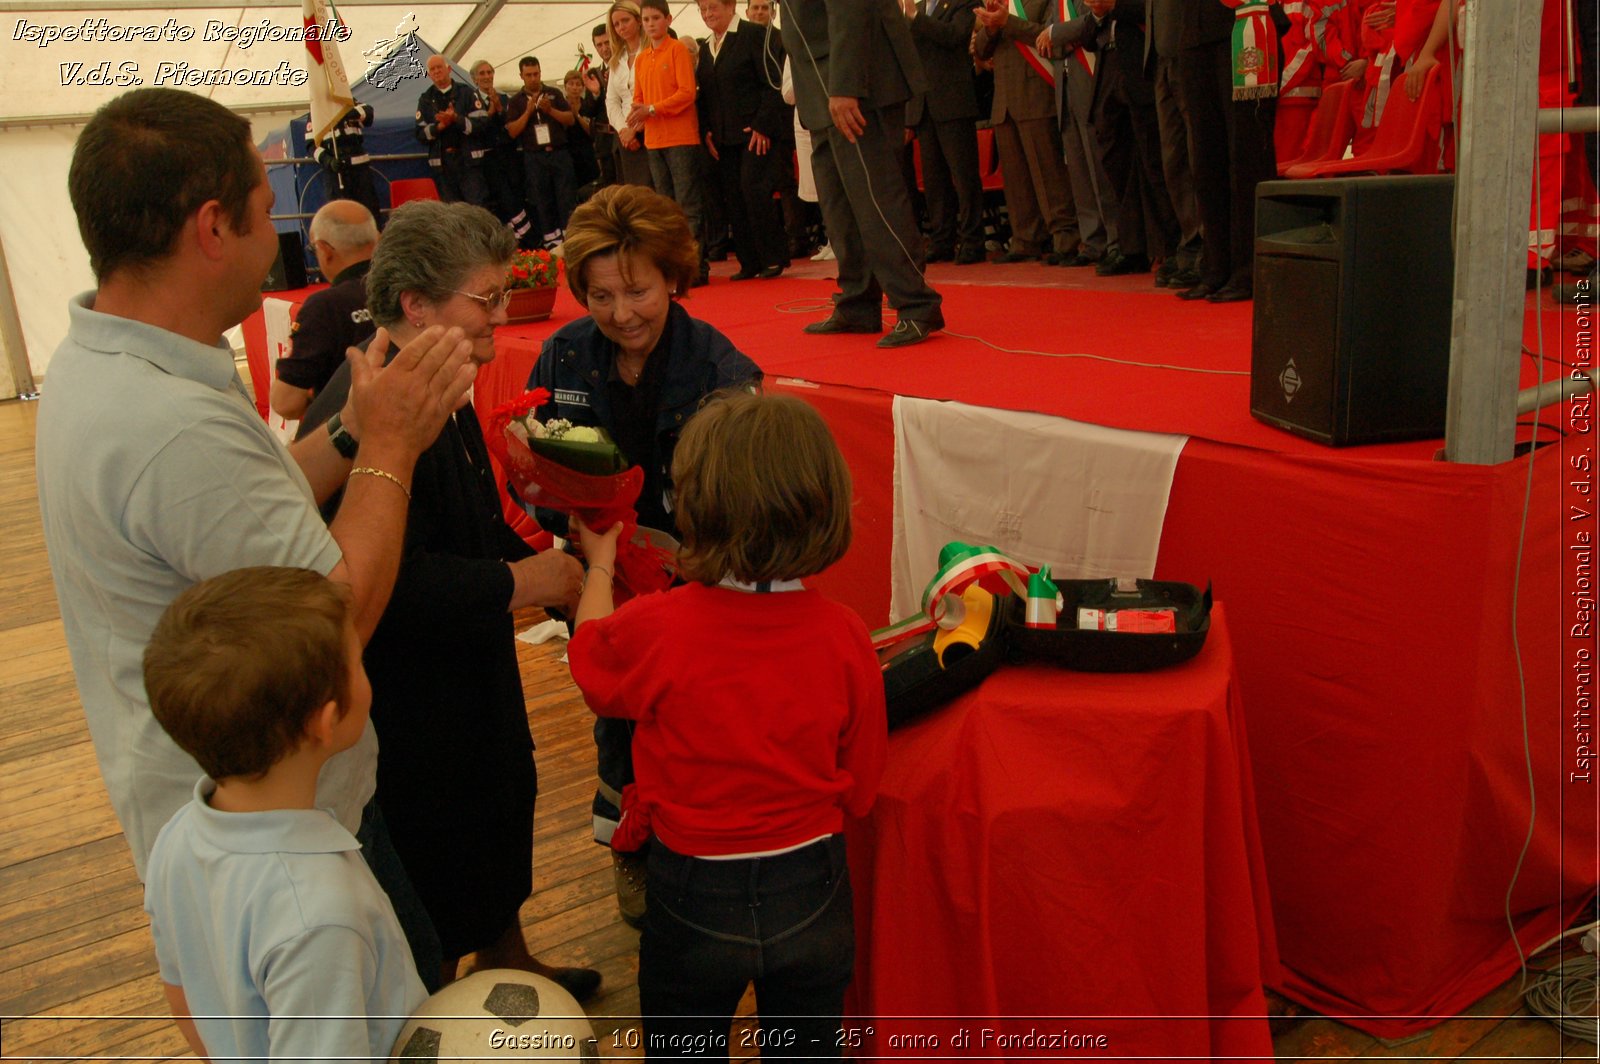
[{"x": 824, "y": 255}]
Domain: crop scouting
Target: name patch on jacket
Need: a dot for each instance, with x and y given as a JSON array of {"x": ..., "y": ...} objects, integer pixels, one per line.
[{"x": 572, "y": 398}]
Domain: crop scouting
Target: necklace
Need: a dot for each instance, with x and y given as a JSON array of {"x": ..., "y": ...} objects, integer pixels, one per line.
[{"x": 630, "y": 376}]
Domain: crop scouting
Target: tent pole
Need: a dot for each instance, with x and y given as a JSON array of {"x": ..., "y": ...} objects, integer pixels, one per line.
[
  {"x": 1494, "y": 185},
  {"x": 11, "y": 335},
  {"x": 471, "y": 29}
]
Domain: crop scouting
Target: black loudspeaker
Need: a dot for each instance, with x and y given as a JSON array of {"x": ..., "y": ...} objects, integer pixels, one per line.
[
  {"x": 289, "y": 268},
  {"x": 1353, "y": 282}
]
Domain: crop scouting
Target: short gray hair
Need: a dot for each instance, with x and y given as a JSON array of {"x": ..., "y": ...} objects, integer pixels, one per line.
[
  {"x": 428, "y": 248},
  {"x": 346, "y": 225}
]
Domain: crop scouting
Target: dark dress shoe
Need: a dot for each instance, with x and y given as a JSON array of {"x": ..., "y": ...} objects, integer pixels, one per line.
[
  {"x": 1184, "y": 279},
  {"x": 835, "y": 324},
  {"x": 1230, "y": 293},
  {"x": 1080, "y": 259},
  {"x": 1122, "y": 264},
  {"x": 1199, "y": 291},
  {"x": 745, "y": 275},
  {"x": 581, "y": 983},
  {"x": 769, "y": 273},
  {"x": 967, "y": 256},
  {"x": 1020, "y": 256},
  {"x": 907, "y": 332},
  {"x": 941, "y": 255},
  {"x": 1166, "y": 272}
]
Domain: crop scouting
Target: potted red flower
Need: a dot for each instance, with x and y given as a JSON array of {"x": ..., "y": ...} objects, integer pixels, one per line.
[{"x": 532, "y": 279}]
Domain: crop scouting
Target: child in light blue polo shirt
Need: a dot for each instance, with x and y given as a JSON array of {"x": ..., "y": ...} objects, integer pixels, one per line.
[{"x": 274, "y": 940}]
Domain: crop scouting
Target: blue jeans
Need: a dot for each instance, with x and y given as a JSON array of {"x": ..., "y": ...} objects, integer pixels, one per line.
[{"x": 713, "y": 927}]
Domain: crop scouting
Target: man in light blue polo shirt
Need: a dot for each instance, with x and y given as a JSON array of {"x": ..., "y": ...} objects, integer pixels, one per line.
[{"x": 155, "y": 471}]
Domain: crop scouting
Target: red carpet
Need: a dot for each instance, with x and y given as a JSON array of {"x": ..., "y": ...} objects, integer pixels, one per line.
[{"x": 1088, "y": 333}]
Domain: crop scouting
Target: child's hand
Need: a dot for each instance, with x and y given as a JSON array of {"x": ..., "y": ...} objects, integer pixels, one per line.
[{"x": 599, "y": 548}]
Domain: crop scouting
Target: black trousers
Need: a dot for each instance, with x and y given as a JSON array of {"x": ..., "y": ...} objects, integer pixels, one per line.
[
  {"x": 951, "y": 182},
  {"x": 1231, "y": 151},
  {"x": 867, "y": 209},
  {"x": 748, "y": 182},
  {"x": 1128, "y": 136},
  {"x": 459, "y": 180}
]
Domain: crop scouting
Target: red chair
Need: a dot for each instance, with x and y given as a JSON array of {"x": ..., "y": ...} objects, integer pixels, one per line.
[
  {"x": 1332, "y": 126},
  {"x": 409, "y": 188},
  {"x": 989, "y": 162},
  {"x": 1408, "y": 135}
]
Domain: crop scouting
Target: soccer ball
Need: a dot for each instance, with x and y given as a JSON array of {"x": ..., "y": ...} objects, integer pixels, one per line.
[{"x": 498, "y": 1014}]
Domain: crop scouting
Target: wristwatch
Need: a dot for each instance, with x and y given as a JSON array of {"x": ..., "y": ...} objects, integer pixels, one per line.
[{"x": 340, "y": 437}]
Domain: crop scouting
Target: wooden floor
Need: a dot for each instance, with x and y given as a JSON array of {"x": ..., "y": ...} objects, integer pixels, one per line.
[{"x": 77, "y": 972}]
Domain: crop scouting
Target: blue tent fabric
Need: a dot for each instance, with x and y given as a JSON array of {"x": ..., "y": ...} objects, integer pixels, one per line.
[{"x": 392, "y": 87}]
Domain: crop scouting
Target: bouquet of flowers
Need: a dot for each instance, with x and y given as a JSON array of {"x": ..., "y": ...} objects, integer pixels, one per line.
[
  {"x": 533, "y": 269},
  {"x": 583, "y": 448},
  {"x": 578, "y": 470}
]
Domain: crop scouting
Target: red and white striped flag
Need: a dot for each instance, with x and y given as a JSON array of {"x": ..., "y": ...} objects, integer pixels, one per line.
[{"x": 330, "y": 87}]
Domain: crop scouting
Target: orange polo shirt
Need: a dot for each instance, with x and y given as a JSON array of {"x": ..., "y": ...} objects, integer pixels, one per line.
[{"x": 663, "y": 76}]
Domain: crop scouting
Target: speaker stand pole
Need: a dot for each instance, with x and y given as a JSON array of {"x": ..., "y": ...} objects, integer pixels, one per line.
[{"x": 1494, "y": 186}]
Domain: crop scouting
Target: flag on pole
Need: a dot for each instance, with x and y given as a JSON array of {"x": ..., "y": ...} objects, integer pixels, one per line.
[{"x": 330, "y": 87}]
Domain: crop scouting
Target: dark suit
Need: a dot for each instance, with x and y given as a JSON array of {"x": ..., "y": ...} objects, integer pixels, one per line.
[
  {"x": 862, "y": 49},
  {"x": 1028, "y": 138},
  {"x": 946, "y": 121},
  {"x": 1092, "y": 194},
  {"x": 1230, "y": 143},
  {"x": 1163, "y": 33},
  {"x": 1123, "y": 112},
  {"x": 737, "y": 97}
]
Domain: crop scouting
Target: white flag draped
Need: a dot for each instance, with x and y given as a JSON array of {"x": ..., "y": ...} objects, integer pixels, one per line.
[{"x": 330, "y": 87}]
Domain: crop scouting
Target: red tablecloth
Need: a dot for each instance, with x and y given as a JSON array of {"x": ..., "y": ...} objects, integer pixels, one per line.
[{"x": 1071, "y": 852}]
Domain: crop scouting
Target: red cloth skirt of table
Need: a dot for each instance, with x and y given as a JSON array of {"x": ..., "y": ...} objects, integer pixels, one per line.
[{"x": 1068, "y": 852}]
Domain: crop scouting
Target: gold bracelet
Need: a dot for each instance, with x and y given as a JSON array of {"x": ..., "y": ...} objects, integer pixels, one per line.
[{"x": 372, "y": 471}]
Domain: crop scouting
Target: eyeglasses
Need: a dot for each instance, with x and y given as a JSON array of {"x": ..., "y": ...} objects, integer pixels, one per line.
[{"x": 498, "y": 301}]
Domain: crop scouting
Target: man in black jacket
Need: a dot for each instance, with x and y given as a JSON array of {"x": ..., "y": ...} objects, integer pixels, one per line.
[
  {"x": 742, "y": 115},
  {"x": 946, "y": 122}
]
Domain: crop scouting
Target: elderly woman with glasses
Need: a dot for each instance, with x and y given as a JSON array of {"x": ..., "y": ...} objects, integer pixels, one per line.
[
  {"x": 638, "y": 366},
  {"x": 456, "y": 777}
]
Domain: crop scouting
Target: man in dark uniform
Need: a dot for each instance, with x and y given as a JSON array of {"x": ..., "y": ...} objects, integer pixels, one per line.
[
  {"x": 444, "y": 118},
  {"x": 537, "y": 118},
  {"x": 946, "y": 121},
  {"x": 502, "y": 160},
  {"x": 742, "y": 117},
  {"x": 343, "y": 237},
  {"x": 343, "y": 157},
  {"x": 854, "y": 68}
]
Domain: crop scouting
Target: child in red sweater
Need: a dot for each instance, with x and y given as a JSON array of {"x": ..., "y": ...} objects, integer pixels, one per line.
[{"x": 760, "y": 725}]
